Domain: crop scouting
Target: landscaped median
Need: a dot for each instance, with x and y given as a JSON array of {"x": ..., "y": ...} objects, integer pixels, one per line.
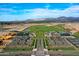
[{"x": 34, "y": 42}]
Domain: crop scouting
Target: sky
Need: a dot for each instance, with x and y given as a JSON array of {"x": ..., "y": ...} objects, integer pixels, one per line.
[{"x": 24, "y": 11}]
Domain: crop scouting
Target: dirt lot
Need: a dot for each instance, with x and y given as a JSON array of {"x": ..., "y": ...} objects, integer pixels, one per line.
[{"x": 73, "y": 26}]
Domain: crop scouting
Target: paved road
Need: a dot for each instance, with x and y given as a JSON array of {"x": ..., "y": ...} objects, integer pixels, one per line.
[{"x": 40, "y": 51}]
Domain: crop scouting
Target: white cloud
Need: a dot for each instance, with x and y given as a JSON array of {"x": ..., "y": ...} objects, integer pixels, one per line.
[
  {"x": 43, "y": 13},
  {"x": 72, "y": 11}
]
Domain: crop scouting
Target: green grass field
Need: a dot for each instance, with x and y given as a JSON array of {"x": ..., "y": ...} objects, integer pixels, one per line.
[{"x": 41, "y": 29}]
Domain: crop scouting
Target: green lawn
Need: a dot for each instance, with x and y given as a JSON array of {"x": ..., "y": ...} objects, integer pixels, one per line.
[{"x": 40, "y": 30}]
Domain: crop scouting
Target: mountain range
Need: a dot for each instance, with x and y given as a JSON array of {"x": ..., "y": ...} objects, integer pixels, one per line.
[
  {"x": 39, "y": 20},
  {"x": 59, "y": 19}
]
